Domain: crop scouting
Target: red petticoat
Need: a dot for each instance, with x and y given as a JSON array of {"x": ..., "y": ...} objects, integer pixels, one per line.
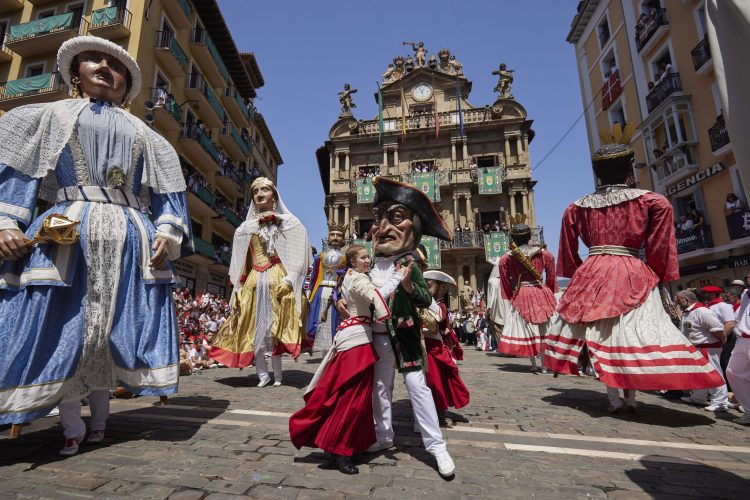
[
  {"x": 448, "y": 390},
  {"x": 337, "y": 416}
]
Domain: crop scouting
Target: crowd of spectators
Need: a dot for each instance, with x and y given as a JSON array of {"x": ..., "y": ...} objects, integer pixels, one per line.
[
  {"x": 648, "y": 22},
  {"x": 198, "y": 320}
]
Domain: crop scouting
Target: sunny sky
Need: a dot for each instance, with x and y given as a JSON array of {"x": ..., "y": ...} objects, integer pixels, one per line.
[{"x": 307, "y": 50}]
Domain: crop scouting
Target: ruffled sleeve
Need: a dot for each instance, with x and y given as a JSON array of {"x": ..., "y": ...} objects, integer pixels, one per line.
[
  {"x": 661, "y": 246},
  {"x": 18, "y": 195},
  {"x": 171, "y": 219},
  {"x": 568, "y": 259}
]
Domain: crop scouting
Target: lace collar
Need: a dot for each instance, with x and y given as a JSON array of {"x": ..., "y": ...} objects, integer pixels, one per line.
[{"x": 607, "y": 196}]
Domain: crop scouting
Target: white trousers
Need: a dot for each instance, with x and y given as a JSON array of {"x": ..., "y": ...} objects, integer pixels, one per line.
[
  {"x": 420, "y": 395},
  {"x": 261, "y": 366},
  {"x": 738, "y": 372},
  {"x": 613, "y": 393},
  {"x": 718, "y": 394},
  {"x": 70, "y": 414}
]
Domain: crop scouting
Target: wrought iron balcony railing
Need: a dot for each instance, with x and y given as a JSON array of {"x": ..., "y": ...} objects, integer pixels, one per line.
[{"x": 666, "y": 87}]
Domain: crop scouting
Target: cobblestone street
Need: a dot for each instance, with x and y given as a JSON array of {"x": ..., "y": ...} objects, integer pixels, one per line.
[{"x": 522, "y": 436}]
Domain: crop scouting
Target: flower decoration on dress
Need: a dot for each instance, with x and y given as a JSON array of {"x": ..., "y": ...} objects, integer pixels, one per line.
[
  {"x": 268, "y": 219},
  {"x": 116, "y": 177}
]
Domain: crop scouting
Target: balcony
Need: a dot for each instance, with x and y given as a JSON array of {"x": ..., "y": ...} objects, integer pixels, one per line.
[
  {"x": 201, "y": 201},
  {"x": 180, "y": 12},
  {"x": 651, "y": 25},
  {"x": 167, "y": 113},
  {"x": 611, "y": 90},
  {"x": 674, "y": 165},
  {"x": 692, "y": 239},
  {"x": 199, "y": 90},
  {"x": 701, "y": 56},
  {"x": 234, "y": 103},
  {"x": 169, "y": 53},
  {"x": 8, "y": 6},
  {"x": 201, "y": 148},
  {"x": 515, "y": 173},
  {"x": 719, "y": 138},
  {"x": 5, "y": 55},
  {"x": 205, "y": 52},
  {"x": 668, "y": 86},
  {"x": 464, "y": 241},
  {"x": 230, "y": 181},
  {"x": 41, "y": 88},
  {"x": 233, "y": 142},
  {"x": 44, "y": 36},
  {"x": 203, "y": 250},
  {"x": 111, "y": 22}
]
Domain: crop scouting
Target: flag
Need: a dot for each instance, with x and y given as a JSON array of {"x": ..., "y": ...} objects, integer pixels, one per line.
[
  {"x": 434, "y": 103},
  {"x": 403, "y": 111},
  {"x": 380, "y": 115},
  {"x": 460, "y": 113}
]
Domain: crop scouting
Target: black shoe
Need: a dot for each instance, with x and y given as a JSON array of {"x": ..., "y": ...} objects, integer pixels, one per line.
[{"x": 345, "y": 465}]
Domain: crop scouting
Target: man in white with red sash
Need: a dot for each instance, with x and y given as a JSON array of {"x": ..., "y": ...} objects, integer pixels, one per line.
[
  {"x": 704, "y": 329},
  {"x": 612, "y": 302},
  {"x": 738, "y": 370}
]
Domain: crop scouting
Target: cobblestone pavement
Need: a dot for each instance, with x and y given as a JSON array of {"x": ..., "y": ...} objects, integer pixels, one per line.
[{"x": 522, "y": 436}]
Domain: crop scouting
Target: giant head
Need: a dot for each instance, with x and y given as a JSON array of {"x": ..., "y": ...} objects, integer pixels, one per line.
[
  {"x": 401, "y": 215},
  {"x": 336, "y": 234}
]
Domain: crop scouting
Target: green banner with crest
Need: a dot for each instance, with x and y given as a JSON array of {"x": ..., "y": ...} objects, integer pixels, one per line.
[
  {"x": 432, "y": 245},
  {"x": 426, "y": 182},
  {"x": 490, "y": 180},
  {"x": 365, "y": 190},
  {"x": 495, "y": 245}
]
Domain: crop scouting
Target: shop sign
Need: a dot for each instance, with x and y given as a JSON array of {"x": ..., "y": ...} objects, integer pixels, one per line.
[
  {"x": 701, "y": 268},
  {"x": 741, "y": 261},
  {"x": 738, "y": 224},
  {"x": 695, "y": 179},
  {"x": 689, "y": 240}
]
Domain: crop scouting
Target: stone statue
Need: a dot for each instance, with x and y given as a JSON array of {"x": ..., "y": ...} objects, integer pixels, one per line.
[
  {"x": 444, "y": 56},
  {"x": 389, "y": 74},
  {"x": 456, "y": 67},
  {"x": 398, "y": 64},
  {"x": 433, "y": 61},
  {"x": 467, "y": 295},
  {"x": 504, "y": 82},
  {"x": 420, "y": 52},
  {"x": 409, "y": 64},
  {"x": 345, "y": 98}
]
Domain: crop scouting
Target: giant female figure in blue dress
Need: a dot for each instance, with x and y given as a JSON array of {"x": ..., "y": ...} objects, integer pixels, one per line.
[{"x": 78, "y": 320}]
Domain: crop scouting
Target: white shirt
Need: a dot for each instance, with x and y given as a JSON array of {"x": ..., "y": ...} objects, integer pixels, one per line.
[
  {"x": 743, "y": 314},
  {"x": 725, "y": 312},
  {"x": 383, "y": 276},
  {"x": 698, "y": 323}
]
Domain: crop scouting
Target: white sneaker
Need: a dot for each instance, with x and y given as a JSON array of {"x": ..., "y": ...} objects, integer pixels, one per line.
[
  {"x": 71, "y": 446},
  {"x": 264, "y": 383},
  {"x": 743, "y": 420},
  {"x": 446, "y": 467},
  {"x": 378, "y": 446},
  {"x": 277, "y": 383},
  {"x": 95, "y": 437},
  {"x": 716, "y": 407}
]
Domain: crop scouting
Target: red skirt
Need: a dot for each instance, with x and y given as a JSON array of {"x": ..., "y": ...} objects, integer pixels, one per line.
[
  {"x": 337, "y": 416},
  {"x": 448, "y": 390}
]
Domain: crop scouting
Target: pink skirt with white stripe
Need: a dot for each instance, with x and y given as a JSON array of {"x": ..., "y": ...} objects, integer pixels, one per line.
[{"x": 641, "y": 350}]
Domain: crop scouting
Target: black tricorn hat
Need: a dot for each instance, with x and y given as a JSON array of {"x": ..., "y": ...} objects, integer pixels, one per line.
[{"x": 416, "y": 200}]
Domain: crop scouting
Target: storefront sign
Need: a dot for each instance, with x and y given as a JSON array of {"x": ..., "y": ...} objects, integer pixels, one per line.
[
  {"x": 701, "y": 268},
  {"x": 695, "y": 179},
  {"x": 738, "y": 224},
  {"x": 741, "y": 261}
]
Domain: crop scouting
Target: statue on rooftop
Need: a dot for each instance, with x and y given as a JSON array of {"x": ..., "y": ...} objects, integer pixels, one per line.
[
  {"x": 345, "y": 98},
  {"x": 420, "y": 52},
  {"x": 504, "y": 82}
]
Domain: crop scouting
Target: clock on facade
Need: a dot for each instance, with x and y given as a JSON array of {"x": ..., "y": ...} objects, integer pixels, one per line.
[{"x": 421, "y": 92}]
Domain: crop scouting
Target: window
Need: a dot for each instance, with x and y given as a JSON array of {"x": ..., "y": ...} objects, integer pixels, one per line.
[
  {"x": 662, "y": 65},
  {"x": 486, "y": 161},
  {"x": 700, "y": 20},
  {"x": 609, "y": 64},
  {"x": 603, "y": 31},
  {"x": 617, "y": 115},
  {"x": 77, "y": 10},
  {"x": 34, "y": 70},
  {"x": 45, "y": 13},
  {"x": 3, "y": 30},
  {"x": 389, "y": 125}
]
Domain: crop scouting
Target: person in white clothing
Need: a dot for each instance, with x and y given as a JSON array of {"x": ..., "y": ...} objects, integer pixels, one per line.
[
  {"x": 704, "y": 329},
  {"x": 738, "y": 370}
]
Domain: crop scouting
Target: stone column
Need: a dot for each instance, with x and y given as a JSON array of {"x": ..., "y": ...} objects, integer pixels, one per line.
[
  {"x": 526, "y": 147},
  {"x": 512, "y": 203},
  {"x": 532, "y": 209},
  {"x": 453, "y": 152},
  {"x": 519, "y": 149},
  {"x": 385, "y": 157},
  {"x": 456, "y": 215},
  {"x": 346, "y": 161},
  {"x": 346, "y": 217},
  {"x": 473, "y": 275},
  {"x": 337, "y": 161},
  {"x": 465, "y": 149},
  {"x": 507, "y": 150},
  {"x": 332, "y": 164},
  {"x": 469, "y": 222},
  {"x": 525, "y": 202},
  {"x": 330, "y": 213},
  {"x": 395, "y": 157}
]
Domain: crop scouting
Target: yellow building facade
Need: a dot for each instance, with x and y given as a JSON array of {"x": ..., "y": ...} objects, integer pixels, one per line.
[
  {"x": 648, "y": 62},
  {"x": 198, "y": 93}
]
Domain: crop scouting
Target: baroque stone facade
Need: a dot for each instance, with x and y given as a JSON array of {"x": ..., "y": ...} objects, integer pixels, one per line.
[{"x": 456, "y": 149}]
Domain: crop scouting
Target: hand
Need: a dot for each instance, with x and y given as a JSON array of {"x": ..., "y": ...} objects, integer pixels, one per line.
[
  {"x": 160, "y": 248},
  {"x": 406, "y": 282},
  {"x": 13, "y": 244},
  {"x": 282, "y": 290},
  {"x": 341, "y": 308}
]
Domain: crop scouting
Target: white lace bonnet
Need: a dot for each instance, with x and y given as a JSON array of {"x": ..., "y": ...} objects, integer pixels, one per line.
[{"x": 76, "y": 45}]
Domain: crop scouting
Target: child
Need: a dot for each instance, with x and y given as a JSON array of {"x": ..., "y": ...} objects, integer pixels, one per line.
[{"x": 337, "y": 416}]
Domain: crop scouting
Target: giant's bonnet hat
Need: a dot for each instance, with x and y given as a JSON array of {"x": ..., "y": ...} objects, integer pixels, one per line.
[
  {"x": 439, "y": 276},
  {"x": 76, "y": 45}
]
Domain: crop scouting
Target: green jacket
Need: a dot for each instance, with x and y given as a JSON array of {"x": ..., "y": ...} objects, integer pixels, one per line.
[{"x": 404, "y": 326}]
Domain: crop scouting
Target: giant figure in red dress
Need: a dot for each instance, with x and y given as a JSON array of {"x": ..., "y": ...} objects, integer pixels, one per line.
[{"x": 612, "y": 303}]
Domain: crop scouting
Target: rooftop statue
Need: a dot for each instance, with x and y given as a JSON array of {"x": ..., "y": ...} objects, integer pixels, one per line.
[
  {"x": 504, "y": 82},
  {"x": 420, "y": 52},
  {"x": 345, "y": 98}
]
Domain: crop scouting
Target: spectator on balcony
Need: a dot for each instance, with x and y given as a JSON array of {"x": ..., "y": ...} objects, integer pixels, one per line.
[
  {"x": 160, "y": 95},
  {"x": 685, "y": 223},
  {"x": 733, "y": 205},
  {"x": 217, "y": 256},
  {"x": 496, "y": 226},
  {"x": 486, "y": 228},
  {"x": 665, "y": 68},
  {"x": 698, "y": 222},
  {"x": 198, "y": 129},
  {"x": 650, "y": 87},
  {"x": 658, "y": 153}
]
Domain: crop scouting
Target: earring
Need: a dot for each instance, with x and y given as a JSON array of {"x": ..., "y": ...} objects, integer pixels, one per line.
[
  {"x": 274, "y": 206},
  {"x": 126, "y": 104},
  {"x": 75, "y": 92}
]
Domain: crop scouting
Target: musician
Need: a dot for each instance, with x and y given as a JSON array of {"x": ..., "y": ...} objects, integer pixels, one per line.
[{"x": 531, "y": 295}]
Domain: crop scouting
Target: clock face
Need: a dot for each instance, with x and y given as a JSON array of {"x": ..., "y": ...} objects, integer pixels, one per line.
[{"x": 422, "y": 92}]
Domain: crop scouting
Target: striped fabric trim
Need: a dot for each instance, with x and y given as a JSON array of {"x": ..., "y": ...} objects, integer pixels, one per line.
[
  {"x": 98, "y": 195},
  {"x": 614, "y": 250},
  {"x": 20, "y": 213}
]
